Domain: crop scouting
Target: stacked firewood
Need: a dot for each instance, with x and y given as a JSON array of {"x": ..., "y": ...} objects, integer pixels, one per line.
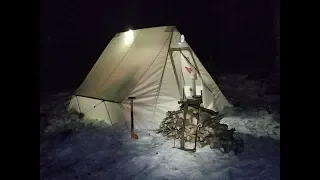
[{"x": 209, "y": 132}]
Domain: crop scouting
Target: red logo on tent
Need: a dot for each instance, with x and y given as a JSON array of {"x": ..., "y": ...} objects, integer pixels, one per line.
[{"x": 189, "y": 69}]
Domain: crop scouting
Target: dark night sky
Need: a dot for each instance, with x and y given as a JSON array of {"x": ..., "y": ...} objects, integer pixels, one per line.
[{"x": 239, "y": 35}]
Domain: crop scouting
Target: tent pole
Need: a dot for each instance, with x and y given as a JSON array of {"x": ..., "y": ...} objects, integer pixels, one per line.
[
  {"x": 194, "y": 87},
  {"x": 175, "y": 72},
  {"x": 133, "y": 135},
  {"x": 185, "y": 109}
]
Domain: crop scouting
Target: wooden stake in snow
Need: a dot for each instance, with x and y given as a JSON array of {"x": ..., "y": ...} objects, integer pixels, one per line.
[
  {"x": 133, "y": 135},
  {"x": 185, "y": 111},
  {"x": 197, "y": 127}
]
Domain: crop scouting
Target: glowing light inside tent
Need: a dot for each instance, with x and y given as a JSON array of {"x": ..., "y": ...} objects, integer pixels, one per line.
[
  {"x": 188, "y": 92},
  {"x": 128, "y": 37},
  {"x": 181, "y": 39}
]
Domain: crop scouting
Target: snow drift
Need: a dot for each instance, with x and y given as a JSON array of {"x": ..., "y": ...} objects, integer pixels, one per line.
[{"x": 87, "y": 149}]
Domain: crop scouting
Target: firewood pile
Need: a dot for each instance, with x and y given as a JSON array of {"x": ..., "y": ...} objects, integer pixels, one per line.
[{"x": 210, "y": 131}]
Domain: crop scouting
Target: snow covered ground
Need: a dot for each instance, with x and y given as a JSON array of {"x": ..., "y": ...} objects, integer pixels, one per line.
[
  {"x": 76, "y": 149},
  {"x": 257, "y": 123}
]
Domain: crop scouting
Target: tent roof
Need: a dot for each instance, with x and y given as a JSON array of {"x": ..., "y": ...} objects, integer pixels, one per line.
[
  {"x": 140, "y": 62},
  {"x": 124, "y": 61}
]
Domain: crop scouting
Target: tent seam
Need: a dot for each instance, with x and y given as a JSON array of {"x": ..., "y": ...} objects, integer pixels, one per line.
[
  {"x": 107, "y": 112},
  {"x": 94, "y": 106},
  {"x": 147, "y": 69},
  {"x": 95, "y": 65},
  {"x": 161, "y": 79},
  {"x": 119, "y": 63}
]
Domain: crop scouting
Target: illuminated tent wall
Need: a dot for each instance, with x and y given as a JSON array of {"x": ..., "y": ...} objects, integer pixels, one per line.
[{"x": 154, "y": 65}]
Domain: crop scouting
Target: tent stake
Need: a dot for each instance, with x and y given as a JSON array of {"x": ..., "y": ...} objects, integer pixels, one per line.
[
  {"x": 197, "y": 127},
  {"x": 185, "y": 110},
  {"x": 133, "y": 135}
]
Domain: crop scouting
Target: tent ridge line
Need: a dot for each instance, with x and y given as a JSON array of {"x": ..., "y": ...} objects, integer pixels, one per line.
[{"x": 118, "y": 63}]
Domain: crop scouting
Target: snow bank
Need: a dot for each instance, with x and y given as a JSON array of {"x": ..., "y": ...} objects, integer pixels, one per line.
[
  {"x": 257, "y": 123},
  {"x": 109, "y": 153},
  {"x": 89, "y": 149}
]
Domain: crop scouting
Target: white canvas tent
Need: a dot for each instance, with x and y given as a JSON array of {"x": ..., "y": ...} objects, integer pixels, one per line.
[{"x": 154, "y": 65}]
